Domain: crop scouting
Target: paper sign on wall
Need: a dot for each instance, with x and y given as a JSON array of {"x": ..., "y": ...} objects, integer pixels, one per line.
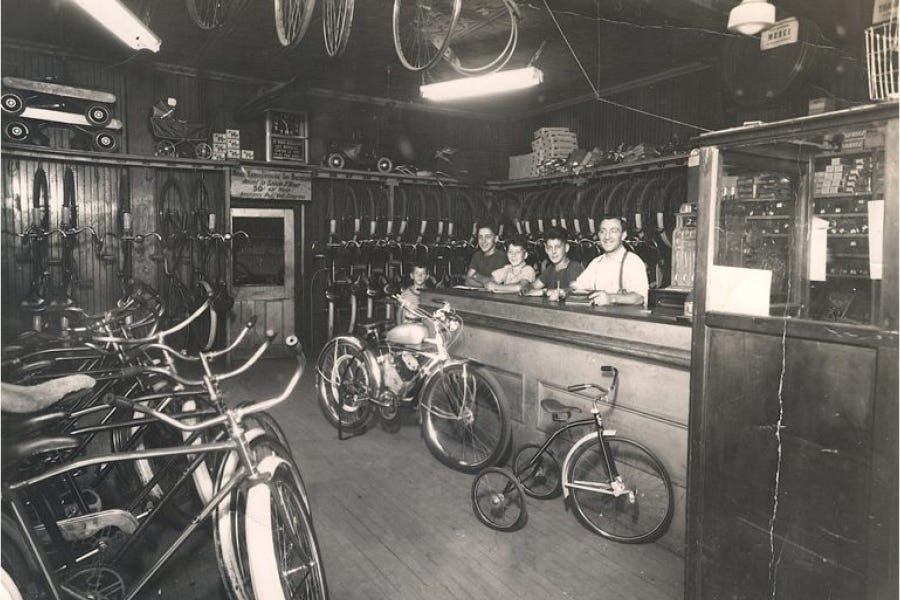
[
  {"x": 884, "y": 10},
  {"x": 270, "y": 184},
  {"x": 739, "y": 290},
  {"x": 818, "y": 249},
  {"x": 782, "y": 33},
  {"x": 876, "y": 238}
]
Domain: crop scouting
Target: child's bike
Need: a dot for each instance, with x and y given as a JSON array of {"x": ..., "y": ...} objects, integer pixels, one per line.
[{"x": 616, "y": 486}]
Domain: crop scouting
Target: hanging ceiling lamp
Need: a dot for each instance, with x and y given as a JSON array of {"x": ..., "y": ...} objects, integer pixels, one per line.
[{"x": 751, "y": 16}]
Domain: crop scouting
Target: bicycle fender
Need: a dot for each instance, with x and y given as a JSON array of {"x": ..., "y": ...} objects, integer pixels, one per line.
[
  {"x": 449, "y": 363},
  {"x": 565, "y": 466}
]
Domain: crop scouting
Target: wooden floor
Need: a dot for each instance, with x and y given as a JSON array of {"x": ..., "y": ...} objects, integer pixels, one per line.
[{"x": 395, "y": 524}]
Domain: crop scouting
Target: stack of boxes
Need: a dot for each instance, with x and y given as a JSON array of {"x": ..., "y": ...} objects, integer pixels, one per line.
[
  {"x": 521, "y": 166},
  {"x": 227, "y": 146},
  {"x": 551, "y": 144},
  {"x": 844, "y": 176}
]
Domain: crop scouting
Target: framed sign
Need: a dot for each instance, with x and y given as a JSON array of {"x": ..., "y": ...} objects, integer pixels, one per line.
[{"x": 270, "y": 184}]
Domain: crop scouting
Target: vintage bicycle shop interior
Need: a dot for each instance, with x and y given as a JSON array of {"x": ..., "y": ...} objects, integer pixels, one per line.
[{"x": 291, "y": 161}]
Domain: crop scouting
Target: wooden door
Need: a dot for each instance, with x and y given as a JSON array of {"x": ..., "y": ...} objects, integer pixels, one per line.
[{"x": 264, "y": 267}]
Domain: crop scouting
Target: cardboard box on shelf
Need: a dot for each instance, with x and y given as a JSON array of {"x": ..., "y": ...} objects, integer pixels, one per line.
[
  {"x": 521, "y": 166},
  {"x": 247, "y": 154},
  {"x": 233, "y": 134}
]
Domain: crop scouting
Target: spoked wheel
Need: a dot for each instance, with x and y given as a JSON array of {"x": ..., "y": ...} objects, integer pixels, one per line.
[
  {"x": 292, "y": 17},
  {"x": 464, "y": 418},
  {"x": 539, "y": 475},
  {"x": 164, "y": 148},
  {"x": 422, "y": 30},
  {"x": 336, "y": 160},
  {"x": 202, "y": 150},
  {"x": 282, "y": 549},
  {"x": 498, "y": 499},
  {"x": 228, "y": 530},
  {"x": 101, "y": 583},
  {"x": 337, "y": 21},
  {"x": 344, "y": 385},
  {"x": 208, "y": 14},
  {"x": 177, "y": 305},
  {"x": 642, "y": 513},
  {"x": 497, "y": 60}
]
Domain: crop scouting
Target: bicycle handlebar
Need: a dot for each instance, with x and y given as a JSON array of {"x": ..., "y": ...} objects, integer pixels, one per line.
[
  {"x": 291, "y": 341},
  {"x": 161, "y": 335},
  {"x": 604, "y": 391},
  {"x": 171, "y": 352}
]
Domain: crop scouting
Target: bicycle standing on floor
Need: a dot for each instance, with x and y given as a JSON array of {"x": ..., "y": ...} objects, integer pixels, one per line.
[{"x": 616, "y": 486}]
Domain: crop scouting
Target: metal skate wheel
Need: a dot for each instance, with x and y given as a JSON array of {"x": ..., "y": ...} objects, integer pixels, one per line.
[
  {"x": 384, "y": 165},
  {"x": 336, "y": 160}
]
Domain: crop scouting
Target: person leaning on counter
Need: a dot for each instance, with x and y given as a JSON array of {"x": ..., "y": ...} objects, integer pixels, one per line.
[
  {"x": 560, "y": 272},
  {"x": 486, "y": 259},
  {"x": 617, "y": 276}
]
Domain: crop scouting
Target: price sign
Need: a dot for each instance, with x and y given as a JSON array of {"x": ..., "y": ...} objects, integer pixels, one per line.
[
  {"x": 270, "y": 184},
  {"x": 782, "y": 33}
]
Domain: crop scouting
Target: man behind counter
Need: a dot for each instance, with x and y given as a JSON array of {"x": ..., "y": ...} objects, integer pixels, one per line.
[
  {"x": 486, "y": 259},
  {"x": 617, "y": 276}
]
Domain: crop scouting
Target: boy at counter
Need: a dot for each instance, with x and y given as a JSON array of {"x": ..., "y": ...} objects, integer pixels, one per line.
[
  {"x": 486, "y": 259},
  {"x": 560, "y": 273},
  {"x": 410, "y": 295},
  {"x": 510, "y": 278},
  {"x": 617, "y": 276}
]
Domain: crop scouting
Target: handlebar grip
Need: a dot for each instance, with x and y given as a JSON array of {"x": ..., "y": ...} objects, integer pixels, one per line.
[
  {"x": 118, "y": 401},
  {"x": 578, "y": 387},
  {"x": 608, "y": 369},
  {"x": 270, "y": 335},
  {"x": 251, "y": 322}
]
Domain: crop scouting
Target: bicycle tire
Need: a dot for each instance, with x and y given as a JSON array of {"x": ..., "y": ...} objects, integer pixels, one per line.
[
  {"x": 203, "y": 328},
  {"x": 177, "y": 304},
  {"x": 292, "y": 18},
  {"x": 343, "y": 381},
  {"x": 423, "y": 53},
  {"x": 649, "y": 510},
  {"x": 337, "y": 22},
  {"x": 172, "y": 220},
  {"x": 277, "y": 520},
  {"x": 230, "y": 546},
  {"x": 208, "y": 14},
  {"x": 457, "y": 416},
  {"x": 501, "y": 59},
  {"x": 541, "y": 480},
  {"x": 498, "y": 499}
]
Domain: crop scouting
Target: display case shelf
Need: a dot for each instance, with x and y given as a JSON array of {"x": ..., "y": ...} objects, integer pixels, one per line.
[
  {"x": 768, "y": 217},
  {"x": 840, "y": 215},
  {"x": 842, "y": 195}
]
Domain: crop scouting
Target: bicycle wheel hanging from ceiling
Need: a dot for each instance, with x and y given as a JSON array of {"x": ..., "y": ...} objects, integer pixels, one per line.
[
  {"x": 422, "y": 30},
  {"x": 292, "y": 18},
  {"x": 497, "y": 61},
  {"x": 208, "y": 14},
  {"x": 337, "y": 21}
]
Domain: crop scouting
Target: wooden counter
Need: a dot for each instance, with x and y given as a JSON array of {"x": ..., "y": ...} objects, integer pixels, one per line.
[{"x": 536, "y": 348}]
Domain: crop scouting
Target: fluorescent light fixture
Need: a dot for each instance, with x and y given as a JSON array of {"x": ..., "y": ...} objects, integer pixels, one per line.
[
  {"x": 483, "y": 85},
  {"x": 123, "y": 23},
  {"x": 751, "y": 16}
]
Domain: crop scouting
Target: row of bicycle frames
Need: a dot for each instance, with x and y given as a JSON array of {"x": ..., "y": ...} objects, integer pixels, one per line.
[
  {"x": 174, "y": 226},
  {"x": 648, "y": 205}
]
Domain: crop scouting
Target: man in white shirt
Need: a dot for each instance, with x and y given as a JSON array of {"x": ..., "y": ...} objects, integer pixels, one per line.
[{"x": 617, "y": 276}]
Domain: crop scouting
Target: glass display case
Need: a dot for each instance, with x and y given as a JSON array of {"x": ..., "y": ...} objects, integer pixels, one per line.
[{"x": 792, "y": 476}]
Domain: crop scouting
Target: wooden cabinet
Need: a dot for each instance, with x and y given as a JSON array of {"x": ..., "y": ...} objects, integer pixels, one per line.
[{"x": 792, "y": 478}]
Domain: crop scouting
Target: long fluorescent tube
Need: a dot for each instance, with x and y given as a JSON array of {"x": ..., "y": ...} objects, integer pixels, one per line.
[
  {"x": 483, "y": 85},
  {"x": 123, "y": 23}
]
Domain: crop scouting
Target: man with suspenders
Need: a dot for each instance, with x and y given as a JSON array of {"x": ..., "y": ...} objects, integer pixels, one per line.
[{"x": 617, "y": 276}]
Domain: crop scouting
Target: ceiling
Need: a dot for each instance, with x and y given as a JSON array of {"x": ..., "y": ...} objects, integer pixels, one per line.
[{"x": 616, "y": 41}]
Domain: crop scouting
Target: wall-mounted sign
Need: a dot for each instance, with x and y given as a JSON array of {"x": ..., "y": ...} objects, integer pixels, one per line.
[
  {"x": 884, "y": 10},
  {"x": 270, "y": 184},
  {"x": 782, "y": 33}
]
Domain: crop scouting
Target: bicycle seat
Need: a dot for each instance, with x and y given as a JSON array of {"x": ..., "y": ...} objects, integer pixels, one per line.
[
  {"x": 366, "y": 329},
  {"x": 557, "y": 409},
  {"x": 15, "y": 451},
  {"x": 30, "y": 399}
]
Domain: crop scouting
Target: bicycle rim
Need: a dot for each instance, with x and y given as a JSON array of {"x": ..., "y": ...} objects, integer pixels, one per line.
[
  {"x": 283, "y": 553},
  {"x": 422, "y": 31},
  {"x": 337, "y": 21},
  {"x": 643, "y": 516},
  {"x": 292, "y": 17},
  {"x": 464, "y": 420},
  {"x": 500, "y": 60},
  {"x": 208, "y": 14}
]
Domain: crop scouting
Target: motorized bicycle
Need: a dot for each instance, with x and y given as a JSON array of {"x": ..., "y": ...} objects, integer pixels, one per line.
[{"x": 380, "y": 371}]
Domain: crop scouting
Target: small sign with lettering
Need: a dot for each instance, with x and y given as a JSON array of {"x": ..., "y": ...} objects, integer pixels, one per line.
[
  {"x": 782, "y": 33},
  {"x": 270, "y": 184},
  {"x": 884, "y": 10}
]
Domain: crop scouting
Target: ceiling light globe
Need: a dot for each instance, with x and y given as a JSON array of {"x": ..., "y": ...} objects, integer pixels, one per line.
[{"x": 751, "y": 16}]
